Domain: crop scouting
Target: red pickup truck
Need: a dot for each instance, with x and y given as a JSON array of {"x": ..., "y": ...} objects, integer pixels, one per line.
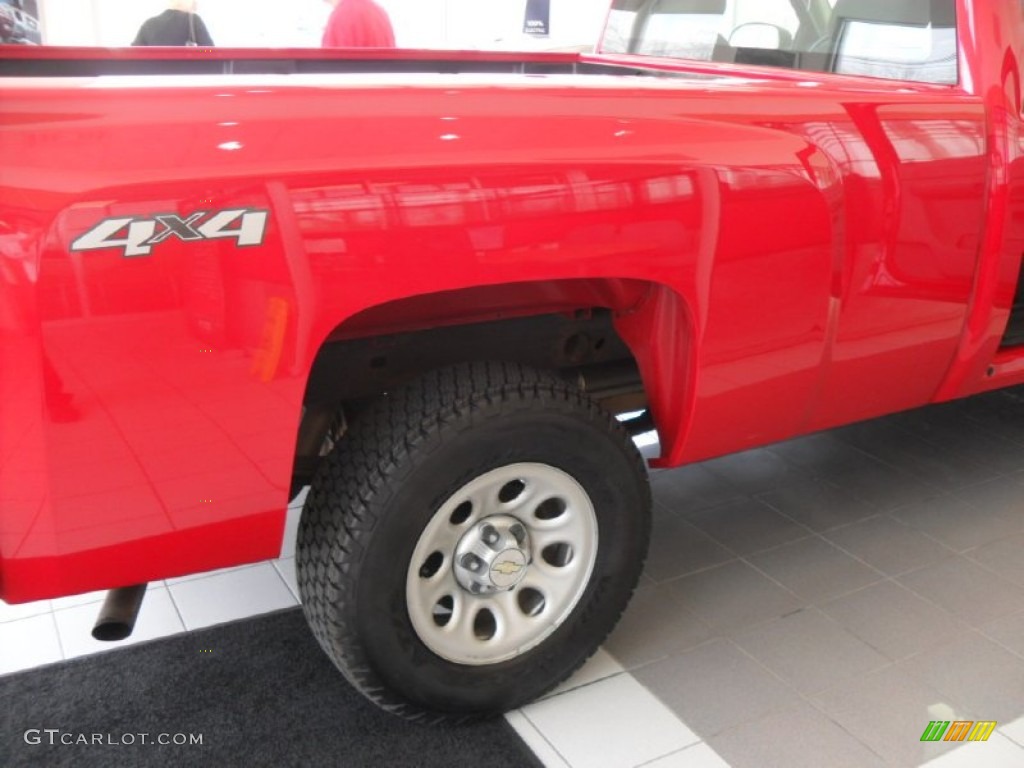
[{"x": 430, "y": 286}]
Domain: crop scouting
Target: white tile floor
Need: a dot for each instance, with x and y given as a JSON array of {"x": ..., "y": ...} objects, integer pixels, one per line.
[{"x": 807, "y": 604}]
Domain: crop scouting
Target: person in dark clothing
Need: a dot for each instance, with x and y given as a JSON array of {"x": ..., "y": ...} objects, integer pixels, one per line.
[{"x": 178, "y": 25}]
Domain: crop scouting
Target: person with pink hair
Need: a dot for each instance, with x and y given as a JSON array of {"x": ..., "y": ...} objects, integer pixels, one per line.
[{"x": 358, "y": 24}]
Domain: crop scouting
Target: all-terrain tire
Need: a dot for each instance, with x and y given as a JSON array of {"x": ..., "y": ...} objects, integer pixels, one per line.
[{"x": 385, "y": 521}]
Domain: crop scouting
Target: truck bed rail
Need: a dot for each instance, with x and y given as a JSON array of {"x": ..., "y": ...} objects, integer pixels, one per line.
[{"x": 16, "y": 61}]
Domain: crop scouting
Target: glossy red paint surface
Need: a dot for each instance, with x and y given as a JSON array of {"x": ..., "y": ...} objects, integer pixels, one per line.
[{"x": 784, "y": 253}]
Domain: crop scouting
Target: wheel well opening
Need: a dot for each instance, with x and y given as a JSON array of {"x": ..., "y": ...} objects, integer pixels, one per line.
[{"x": 582, "y": 345}]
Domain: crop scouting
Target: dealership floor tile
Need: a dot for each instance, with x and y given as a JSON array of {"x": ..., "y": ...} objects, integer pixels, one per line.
[
  {"x": 28, "y": 643},
  {"x": 788, "y": 736},
  {"x": 611, "y": 723},
  {"x": 894, "y": 620},
  {"x": 157, "y": 618},
  {"x": 816, "y": 602},
  {"x": 888, "y": 711},
  {"x": 230, "y": 596}
]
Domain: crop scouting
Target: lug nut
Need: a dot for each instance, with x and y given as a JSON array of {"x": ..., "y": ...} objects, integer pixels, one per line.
[{"x": 490, "y": 535}]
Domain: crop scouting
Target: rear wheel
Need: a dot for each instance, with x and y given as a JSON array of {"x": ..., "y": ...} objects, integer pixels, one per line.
[{"x": 471, "y": 540}]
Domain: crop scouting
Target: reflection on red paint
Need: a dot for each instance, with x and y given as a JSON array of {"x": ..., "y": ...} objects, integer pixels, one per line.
[{"x": 779, "y": 258}]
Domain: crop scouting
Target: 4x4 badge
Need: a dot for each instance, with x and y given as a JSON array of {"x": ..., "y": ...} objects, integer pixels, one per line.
[{"x": 136, "y": 237}]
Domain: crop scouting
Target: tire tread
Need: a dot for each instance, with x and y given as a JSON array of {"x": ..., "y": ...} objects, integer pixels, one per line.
[{"x": 370, "y": 460}]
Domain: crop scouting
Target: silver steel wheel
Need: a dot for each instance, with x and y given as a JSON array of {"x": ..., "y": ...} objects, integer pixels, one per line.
[
  {"x": 501, "y": 564},
  {"x": 519, "y": 573}
]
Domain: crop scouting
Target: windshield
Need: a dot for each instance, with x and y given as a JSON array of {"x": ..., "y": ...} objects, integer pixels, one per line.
[{"x": 913, "y": 40}]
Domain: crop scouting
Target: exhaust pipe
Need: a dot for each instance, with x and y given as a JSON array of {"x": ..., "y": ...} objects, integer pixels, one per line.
[{"x": 118, "y": 613}]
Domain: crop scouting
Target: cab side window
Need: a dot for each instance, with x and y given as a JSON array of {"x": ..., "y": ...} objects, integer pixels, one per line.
[
  {"x": 895, "y": 40},
  {"x": 909, "y": 40}
]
